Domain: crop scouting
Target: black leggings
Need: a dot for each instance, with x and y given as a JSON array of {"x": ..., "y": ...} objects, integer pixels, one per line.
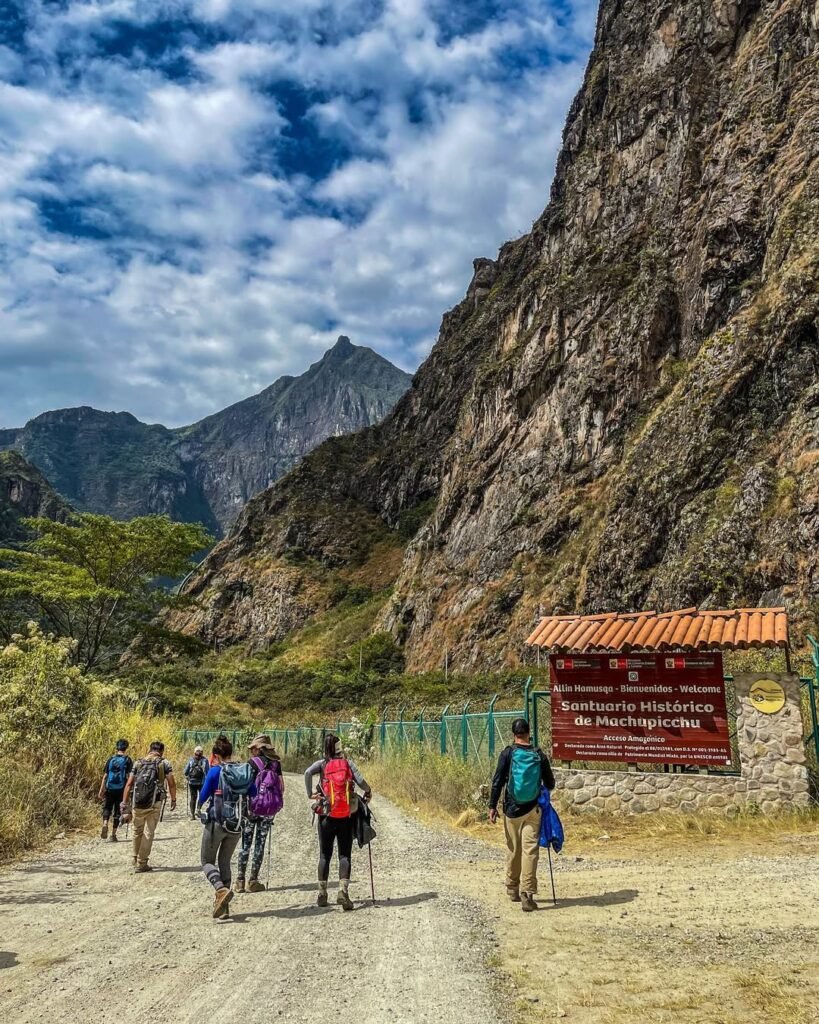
[{"x": 331, "y": 830}]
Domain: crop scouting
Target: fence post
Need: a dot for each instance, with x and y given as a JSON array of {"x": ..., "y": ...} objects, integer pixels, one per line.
[
  {"x": 526, "y": 688},
  {"x": 383, "y": 728},
  {"x": 490, "y": 725},
  {"x": 443, "y": 729},
  {"x": 421, "y": 726},
  {"x": 401, "y": 725},
  {"x": 464, "y": 733}
]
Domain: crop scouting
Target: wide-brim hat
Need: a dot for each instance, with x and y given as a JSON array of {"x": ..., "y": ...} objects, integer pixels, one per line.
[
  {"x": 262, "y": 741},
  {"x": 197, "y": 750}
]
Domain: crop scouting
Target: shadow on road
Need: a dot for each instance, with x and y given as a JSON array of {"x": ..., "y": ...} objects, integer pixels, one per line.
[
  {"x": 30, "y": 899},
  {"x": 7, "y": 959},
  {"x": 312, "y": 910},
  {"x": 603, "y": 899}
]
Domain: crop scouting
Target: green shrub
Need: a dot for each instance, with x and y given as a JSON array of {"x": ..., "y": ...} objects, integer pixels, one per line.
[{"x": 418, "y": 777}]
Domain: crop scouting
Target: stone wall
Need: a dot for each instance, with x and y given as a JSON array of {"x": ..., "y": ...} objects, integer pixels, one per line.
[{"x": 773, "y": 771}]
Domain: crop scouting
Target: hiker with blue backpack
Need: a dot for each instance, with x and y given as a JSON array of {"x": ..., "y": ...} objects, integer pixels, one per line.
[
  {"x": 521, "y": 774},
  {"x": 259, "y": 811},
  {"x": 227, "y": 784},
  {"x": 112, "y": 787},
  {"x": 334, "y": 802}
]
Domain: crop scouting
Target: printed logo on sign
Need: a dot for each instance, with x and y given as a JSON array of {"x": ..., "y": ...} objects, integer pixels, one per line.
[
  {"x": 560, "y": 663},
  {"x": 675, "y": 662},
  {"x": 612, "y": 663},
  {"x": 633, "y": 677}
]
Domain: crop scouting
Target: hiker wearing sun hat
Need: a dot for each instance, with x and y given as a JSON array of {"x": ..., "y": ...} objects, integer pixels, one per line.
[
  {"x": 195, "y": 771},
  {"x": 259, "y": 812}
]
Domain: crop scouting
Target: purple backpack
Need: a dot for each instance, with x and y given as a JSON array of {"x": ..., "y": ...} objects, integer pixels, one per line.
[{"x": 269, "y": 798}]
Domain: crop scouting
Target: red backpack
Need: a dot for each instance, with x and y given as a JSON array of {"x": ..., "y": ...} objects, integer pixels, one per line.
[{"x": 337, "y": 783}]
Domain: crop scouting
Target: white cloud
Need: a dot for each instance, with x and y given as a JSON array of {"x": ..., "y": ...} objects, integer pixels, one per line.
[{"x": 181, "y": 223}]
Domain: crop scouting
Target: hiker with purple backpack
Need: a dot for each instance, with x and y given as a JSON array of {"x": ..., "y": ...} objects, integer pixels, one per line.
[{"x": 260, "y": 810}]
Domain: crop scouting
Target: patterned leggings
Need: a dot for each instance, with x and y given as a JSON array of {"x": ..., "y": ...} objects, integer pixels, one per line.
[{"x": 261, "y": 827}]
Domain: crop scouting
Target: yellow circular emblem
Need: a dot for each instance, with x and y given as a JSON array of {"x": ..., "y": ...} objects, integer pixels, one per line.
[{"x": 767, "y": 696}]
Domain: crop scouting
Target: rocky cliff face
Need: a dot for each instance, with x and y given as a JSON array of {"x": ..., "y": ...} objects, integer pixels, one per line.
[
  {"x": 624, "y": 411},
  {"x": 113, "y": 463},
  {"x": 24, "y": 493}
]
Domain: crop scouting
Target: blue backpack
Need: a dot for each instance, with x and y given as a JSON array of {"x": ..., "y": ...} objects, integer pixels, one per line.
[
  {"x": 524, "y": 775},
  {"x": 117, "y": 770},
  {"x": 234, "y": 782}
]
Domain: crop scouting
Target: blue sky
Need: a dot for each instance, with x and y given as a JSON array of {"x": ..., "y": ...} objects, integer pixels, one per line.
[{"x": 197, "y": 196}]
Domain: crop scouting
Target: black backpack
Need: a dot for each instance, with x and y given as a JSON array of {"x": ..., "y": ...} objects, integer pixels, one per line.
[
  {"x": 197, "y": 770},
  {"x": 149, "y": 780}
]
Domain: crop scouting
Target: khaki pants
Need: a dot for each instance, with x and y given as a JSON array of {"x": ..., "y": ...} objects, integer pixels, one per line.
[
  {"x": 523, "y": 851},
  {"x": 145, "y": 822}
]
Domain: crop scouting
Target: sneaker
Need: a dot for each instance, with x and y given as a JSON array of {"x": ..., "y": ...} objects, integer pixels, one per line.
[
  {"x": 254, "y": 885},
  {"x": 240, "y": 885},
  {"x": 527, "y": 901},
  {"x": 513, "y": 893},
  {"x": 140, "y": 869},
  {"x": 343, "y": 900},
  {"x": 321, "y": 899},
  {"x": 221, "y": 902},
  {"x": 104, "y": 833}
]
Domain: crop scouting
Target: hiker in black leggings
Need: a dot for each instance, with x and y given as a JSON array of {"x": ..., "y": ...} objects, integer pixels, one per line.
[{"x": 334, "y": 829}]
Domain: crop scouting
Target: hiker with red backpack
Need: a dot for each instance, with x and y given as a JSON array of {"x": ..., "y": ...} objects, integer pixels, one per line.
[
  {"x": 334, "y": 803},
  {"x": 260, "y": 810},
  {"x": 222, "y": 799},
  {"x": 522, "y": 772}
]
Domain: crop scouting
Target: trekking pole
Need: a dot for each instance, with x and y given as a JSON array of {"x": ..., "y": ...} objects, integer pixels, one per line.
[
  {"x": 269, "y": 844},
  {"x": 551, "y": 874},
  {"x": 372, "y": 877}
]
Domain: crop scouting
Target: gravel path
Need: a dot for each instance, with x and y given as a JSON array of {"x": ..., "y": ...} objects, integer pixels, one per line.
[{"x": 84, "y": 939}]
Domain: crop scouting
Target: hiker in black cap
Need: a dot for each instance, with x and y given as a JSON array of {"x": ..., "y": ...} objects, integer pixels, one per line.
[
  {"x": 522, "y": 771},
  {"x": 112, "y": 787},
  {"x": 334, "y": 802}
]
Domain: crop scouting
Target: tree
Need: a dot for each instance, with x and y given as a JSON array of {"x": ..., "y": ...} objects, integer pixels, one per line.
[
  {"x": 95, "y": 580},
  {"x": 43, "y": 698}
]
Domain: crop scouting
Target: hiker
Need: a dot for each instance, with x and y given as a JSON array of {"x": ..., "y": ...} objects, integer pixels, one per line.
[
  {"x": 522, "y": 771},
  {"x": 146, "y": 782},
  {"x": 195, "y": 771},
  {"x": 213, "y": 760},
  {"x": 260, "y": 810},
  {"x": 112, "y": 787},
  {"x": 334, "y": 802},
  {"x": 226, "y": 785}
]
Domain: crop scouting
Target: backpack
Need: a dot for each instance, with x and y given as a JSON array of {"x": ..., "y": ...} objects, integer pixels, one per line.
[
  {"x": 197, "y": 770},
  {"x": 234, "y": 782},
  {"x": 269, "y": 798},
  {"x": 524, "y": 775},
  {"x": 117, "y": 770},
  {"x": 337, "y": 784},
  {"x": 149, "y": 780}
]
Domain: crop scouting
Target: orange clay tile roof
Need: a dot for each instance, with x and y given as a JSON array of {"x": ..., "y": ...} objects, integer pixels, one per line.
[{"x": 686, "y": 630}]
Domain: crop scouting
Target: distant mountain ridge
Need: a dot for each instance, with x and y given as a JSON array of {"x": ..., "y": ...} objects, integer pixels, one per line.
[
  {"x": 24, "y": 492},
  {"x": 113, "y": 463}
]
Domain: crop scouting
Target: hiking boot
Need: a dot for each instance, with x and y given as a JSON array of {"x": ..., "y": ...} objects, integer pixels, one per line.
[
  {"x": 240, "y": 885},
  {"x": 321, "y": 899},
  {"x": 254, "y": 885},
  {"x": 104, "y": 833},
  {"x": 113, "y": 838},
  {"x": 221, "y": 902},
  {"x": 527, "y": 902},
  {"x": 513, "y": 893},
  {"x": 140, "y": 869},
  {"x": 343, "y": 900}
]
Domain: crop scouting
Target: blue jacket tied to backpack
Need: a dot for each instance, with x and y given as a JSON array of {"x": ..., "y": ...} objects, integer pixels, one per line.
[{"x": 551, "y": 828}]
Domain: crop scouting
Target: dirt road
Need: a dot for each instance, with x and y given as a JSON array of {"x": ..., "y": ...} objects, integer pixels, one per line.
[{"x": 83, "y": 940}]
